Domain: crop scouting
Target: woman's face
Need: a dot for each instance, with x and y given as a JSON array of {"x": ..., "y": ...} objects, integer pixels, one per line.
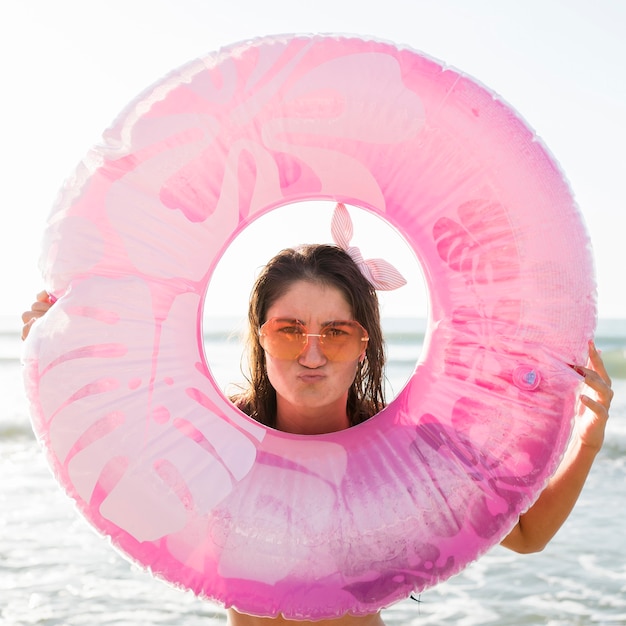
[{"x": 311, "y": 391}]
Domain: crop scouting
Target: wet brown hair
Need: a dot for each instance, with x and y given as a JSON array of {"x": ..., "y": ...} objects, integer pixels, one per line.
[{"x": 330, "y": 266}]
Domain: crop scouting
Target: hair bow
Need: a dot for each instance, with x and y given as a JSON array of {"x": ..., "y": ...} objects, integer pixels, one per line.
[{"x": 381, "y": 274}]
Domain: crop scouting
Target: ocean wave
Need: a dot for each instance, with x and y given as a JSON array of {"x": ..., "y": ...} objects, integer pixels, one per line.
[{"x": 11, "y": 430}]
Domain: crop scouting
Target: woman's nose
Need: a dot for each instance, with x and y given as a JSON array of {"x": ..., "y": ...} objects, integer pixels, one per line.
[{"x": 312, "y": 356}]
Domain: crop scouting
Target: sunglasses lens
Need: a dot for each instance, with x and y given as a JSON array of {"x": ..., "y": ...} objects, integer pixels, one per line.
[
  {"x": 283, "y": 339},
  {"x": 287, "y": 339},
  {"x": 343, "y": 341}
]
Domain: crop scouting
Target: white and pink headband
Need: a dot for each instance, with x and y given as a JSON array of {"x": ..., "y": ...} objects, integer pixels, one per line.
[{"x": 381, "y": 274}]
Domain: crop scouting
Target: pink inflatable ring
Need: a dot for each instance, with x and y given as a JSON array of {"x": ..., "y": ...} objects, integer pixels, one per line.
[{"x": 138, "y": 432}]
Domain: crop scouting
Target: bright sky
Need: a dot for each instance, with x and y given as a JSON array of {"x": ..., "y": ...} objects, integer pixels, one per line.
[{"x": 70, "y": 66}]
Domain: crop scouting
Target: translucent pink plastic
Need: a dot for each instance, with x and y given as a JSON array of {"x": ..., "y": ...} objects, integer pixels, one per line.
[{"x": 135, "y": 427}]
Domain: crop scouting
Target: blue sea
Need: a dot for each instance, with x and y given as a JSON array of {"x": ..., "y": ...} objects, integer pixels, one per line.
[{"x": 54, "y": 570}]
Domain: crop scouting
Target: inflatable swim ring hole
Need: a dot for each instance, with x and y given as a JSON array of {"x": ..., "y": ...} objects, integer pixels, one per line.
[{"x": 404, "y": 312}]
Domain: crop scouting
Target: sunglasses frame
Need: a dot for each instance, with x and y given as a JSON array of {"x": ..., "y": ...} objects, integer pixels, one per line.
[{"x": 321, "y": 336}]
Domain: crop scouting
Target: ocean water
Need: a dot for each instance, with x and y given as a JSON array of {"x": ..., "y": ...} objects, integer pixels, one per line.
[{"x": 55, "y": 570}]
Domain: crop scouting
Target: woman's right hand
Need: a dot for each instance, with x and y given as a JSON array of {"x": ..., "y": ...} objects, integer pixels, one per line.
[{"x": 37, "y": 310}]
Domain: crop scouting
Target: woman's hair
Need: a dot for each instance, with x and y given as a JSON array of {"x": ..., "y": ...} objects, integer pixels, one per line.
[{"x": 330, "y": 266}]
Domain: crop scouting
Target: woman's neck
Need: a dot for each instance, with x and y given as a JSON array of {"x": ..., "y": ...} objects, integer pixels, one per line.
[{"x": 311, "y": 421}]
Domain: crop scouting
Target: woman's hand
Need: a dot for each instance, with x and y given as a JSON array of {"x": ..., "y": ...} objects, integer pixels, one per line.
[
  {"x": 37, "y": 310},
  {"x": 541, "y": 522},
  {"x": 591, "y": 423}
]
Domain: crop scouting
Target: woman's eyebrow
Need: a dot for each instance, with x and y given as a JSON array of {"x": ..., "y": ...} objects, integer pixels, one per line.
[{"x": 290, "y": 319}]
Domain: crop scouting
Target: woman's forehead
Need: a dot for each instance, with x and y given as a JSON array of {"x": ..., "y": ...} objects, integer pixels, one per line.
[{"x": 311, "y": 302}]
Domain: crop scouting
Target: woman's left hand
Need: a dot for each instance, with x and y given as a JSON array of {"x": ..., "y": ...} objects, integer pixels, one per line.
[
  {"x": 595, "y": 401},
  {"x": 543, "y": 519}
]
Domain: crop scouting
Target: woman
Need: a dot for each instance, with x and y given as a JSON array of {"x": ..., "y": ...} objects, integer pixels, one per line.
[
  {"x": 314, "y": 285},
  {"x": 316, "y": 362}
]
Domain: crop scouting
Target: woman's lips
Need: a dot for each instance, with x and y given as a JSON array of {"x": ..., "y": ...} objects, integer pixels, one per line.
[{"x": 311, "y": 378}]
